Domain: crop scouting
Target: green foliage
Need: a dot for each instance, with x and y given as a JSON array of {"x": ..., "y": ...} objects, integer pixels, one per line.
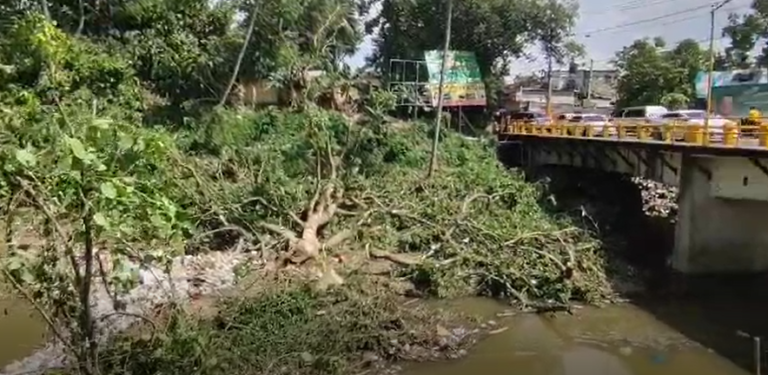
[
  {"x": 80, "y": 178},
  {"x": 474, "y": 218},
  {"x": 747, "y": 31},
  {"x": 496, "y": 30},
  {"x": 648, "y": 73},
  {"x": 292, "y": 329},
  {"x": 52, "y": 64},
  {"x": 675, "y": 101},
  {"x": 85, "y": 173}
]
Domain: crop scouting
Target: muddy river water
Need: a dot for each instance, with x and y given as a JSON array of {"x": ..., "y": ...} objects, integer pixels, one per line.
[
  {"x": 20, "y": 329},
  {"x": 614, "y": 340}
]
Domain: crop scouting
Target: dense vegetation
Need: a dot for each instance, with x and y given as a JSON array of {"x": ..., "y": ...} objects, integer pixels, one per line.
[{"x": 122, "y": 146}]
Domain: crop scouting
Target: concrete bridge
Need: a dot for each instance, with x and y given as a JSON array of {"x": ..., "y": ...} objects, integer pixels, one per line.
[{"x": 722, "y": 225}]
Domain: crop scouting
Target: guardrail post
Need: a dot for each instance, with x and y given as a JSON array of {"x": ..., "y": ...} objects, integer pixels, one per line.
[
  {"x": 559, "y": 129},
  {"x": 666, "y": 132},
  {"x": 590, "y": 131},
  {"x": 730, "y": 135},
  {"x": 640, "y": 130},
  {"x": 622, "y": 131},
  {"x": 694, "y": 134},
  {"x": 763, "y": 135}
]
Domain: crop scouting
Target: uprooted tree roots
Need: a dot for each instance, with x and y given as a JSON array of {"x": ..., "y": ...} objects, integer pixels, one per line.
[
  {"x": 319, "y": 212},
  {"x": 475, "y": 227}
]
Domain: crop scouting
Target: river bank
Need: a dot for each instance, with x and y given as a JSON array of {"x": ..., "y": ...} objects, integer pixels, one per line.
[
  {"x": 617, "y": 340},
  {"x": 205, "y": 290},
  {"x": 217, "y": 274}
]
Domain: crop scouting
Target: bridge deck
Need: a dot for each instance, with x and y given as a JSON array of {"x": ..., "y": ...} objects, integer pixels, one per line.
[{"x": 736, "y": 140}]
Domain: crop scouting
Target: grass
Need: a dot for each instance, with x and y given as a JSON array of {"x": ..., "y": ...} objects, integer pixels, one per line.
[{"x": 293, "y": 329}]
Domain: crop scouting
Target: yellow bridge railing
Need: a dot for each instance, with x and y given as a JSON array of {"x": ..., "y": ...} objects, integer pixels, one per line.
[{"x": 733, "y": 134}]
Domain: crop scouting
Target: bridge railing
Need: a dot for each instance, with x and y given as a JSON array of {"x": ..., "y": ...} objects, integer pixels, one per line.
[{"x": 727, "y": 132}]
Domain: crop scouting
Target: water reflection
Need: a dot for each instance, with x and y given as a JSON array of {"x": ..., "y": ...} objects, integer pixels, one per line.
[{"x": 618, "y": 340}]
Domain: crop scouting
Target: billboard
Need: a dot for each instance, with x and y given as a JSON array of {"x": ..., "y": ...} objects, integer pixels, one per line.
[
  {"x": 728, "y": 78},
  {"x": 463, "y": 84},
  {"x": 735, "y": 100}
]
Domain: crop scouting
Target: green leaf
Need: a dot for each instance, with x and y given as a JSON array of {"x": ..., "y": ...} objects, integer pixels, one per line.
[
  {"x": 14, "y": 262},
  {"x": 77, "y": 148},
  {"x": 100, "y": 220},
  {"x": 26, "y": 157},
  {"x": 102, "y": 123},
  {"x": 125, "y": 142},
  {"x": 27, "y": 278},
  {"x": 108, "y": 190}
]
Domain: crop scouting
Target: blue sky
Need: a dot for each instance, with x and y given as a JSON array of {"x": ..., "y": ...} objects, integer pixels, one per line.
[{"x": 605, "y": 29}]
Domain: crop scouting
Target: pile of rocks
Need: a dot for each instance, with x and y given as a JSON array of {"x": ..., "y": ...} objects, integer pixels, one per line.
[
  {"x": 659, "y": 200},
  {"x": 189, "y": 276}
]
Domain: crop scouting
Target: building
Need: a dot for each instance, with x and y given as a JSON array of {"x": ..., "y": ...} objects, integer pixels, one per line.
[{"x": 603, "y": 81}]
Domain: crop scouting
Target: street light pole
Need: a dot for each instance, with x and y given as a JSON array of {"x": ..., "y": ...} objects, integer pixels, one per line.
[{"x": 710, "y": 78}]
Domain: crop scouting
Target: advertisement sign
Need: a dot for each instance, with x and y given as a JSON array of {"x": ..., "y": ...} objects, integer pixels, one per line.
[
  {"x": 463, "y": 84},
  {"x": 728, "y": 78},
  {"x": 735, "y": 100}
]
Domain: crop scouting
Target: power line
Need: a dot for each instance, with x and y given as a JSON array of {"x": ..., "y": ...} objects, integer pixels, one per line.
[
  {"x": 631, "y": 5},
  {"x": 678, "y": 20},
  {"x": 646, "y": 20}
]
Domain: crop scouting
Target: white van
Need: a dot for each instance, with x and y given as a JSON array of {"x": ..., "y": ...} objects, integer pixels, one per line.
[{"x": 647, "y": 112}]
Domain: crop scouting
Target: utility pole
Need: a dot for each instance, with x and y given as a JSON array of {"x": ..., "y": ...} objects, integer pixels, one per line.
[
  {"x": 710, "y": 107},
  {"x": 548, "y": 49},
  {"x": 438, "y": 120},
  {"x": 589, "y": 82},
  {"x": 549, "y": 84}
]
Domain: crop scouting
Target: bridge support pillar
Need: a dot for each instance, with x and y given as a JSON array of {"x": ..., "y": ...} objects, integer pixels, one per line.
[{"x": 714, "y": 234}]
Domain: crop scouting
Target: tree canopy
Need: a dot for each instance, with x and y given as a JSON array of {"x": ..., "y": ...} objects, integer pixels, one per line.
[
  {"x": 746, "y": 31},
  {"x": 497, "y": 31},
  {"x": 184, "y": 51},
  {"x": 648, "y": 72}
]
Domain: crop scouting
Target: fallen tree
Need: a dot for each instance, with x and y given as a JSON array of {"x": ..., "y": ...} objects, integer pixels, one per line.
[
  {"x": 105, "y": 194},
  {"x": 478, "y": 229}
]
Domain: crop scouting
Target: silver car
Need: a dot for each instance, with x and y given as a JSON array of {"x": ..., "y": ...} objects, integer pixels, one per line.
[
  {"x": 691, "y": 117},
  {"x": 596, "y": 122}
]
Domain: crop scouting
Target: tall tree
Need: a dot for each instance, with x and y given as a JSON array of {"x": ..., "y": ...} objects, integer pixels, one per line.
[
  {"x": 649, "y": 73},
  {"x": 746, "y": 31},
  {"x": 186, "y": 50},
  {"x": 497, "y": 31}
]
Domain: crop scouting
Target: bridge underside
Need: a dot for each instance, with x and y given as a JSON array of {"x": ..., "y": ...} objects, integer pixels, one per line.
[{"x": 722, "y": 223}]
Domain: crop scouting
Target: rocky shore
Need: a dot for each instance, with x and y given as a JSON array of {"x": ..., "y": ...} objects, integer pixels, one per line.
[{"x": 191, "y": 276}]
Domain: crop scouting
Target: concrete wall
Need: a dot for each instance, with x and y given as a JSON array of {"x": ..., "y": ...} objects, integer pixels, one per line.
[{"x": 716, "y": 233}]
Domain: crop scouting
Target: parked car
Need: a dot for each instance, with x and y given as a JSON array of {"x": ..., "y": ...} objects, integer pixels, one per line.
[
  {"x": 690, "y": 117},
  {"x": 645, "y": 113},
  {"x": 591, "y": 120},
  {"x": 537, "y": 118},
  {"x": 564, "y": 117}
]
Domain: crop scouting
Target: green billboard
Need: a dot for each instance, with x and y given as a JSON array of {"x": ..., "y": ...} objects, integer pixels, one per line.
[{"x": 463, "y": 84}]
